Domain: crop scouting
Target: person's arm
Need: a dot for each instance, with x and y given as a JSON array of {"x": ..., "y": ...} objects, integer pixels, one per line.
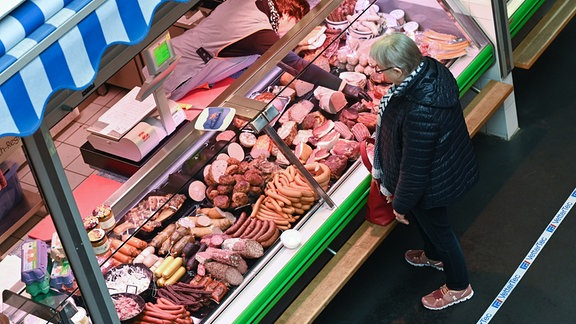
[
  {"x": 318, "y": 76},
  {"x": 419, "y": 136},
  {"x": 261, "y": 41}
]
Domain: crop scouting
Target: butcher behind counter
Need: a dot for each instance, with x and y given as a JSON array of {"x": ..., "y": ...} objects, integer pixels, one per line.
[{"x": 233, "y": 36}]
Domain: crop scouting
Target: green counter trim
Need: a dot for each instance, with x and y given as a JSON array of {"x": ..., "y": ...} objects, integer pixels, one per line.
[
  {"x": 475, "y": 69},
  {"x": 519, "y": 18},
  {"x": 308, "y": 253}
]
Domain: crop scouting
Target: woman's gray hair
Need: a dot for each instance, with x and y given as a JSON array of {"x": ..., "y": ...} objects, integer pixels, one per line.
[{"x": 397, "y": 50}]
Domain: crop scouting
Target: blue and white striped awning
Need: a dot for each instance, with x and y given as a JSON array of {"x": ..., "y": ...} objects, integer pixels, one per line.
[{"x": 31, "y": 71}]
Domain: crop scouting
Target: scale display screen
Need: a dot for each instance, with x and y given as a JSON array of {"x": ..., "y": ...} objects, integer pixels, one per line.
[
  {"x": 162, "y": 53},
  {"x": 159, "y": 55}
]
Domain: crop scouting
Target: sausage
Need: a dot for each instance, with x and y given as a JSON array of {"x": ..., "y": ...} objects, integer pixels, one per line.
[
  {"x": 270, "y": 229},
  {"x": 272, "y": 239},
  {"x": 156, "y": 242},
  {"x": 171, "y": 268},
  {"x": 152, "y": 319},
  {"x": 289, "y": 192},
  {"x": 121, "y": 257},
  {"x": 137, "y": 243},
  {"x": 255, "y": 230},
  {"x": 257, "y": 205},
  {"x": 277, "y": 219},
  {"x": 120, "y": 246},
  {"x": 305, "y": 191},
  {"x": 324, "y": 175},
  {"x": 307, "y": 200},
  {"x": 274, "y": 195},
  {"x": 232, "y": 229},
  {"x": 177, "y": 275},
  {"x": 192, "y": 262},
  {"x": 177, "y": 248},
  {"x": 264, "y": 226},
  {"x": 190, "y": 248},
  {"x": 248, "y": 228},
  {"x": 275, "y": 205},
  {"x": 242, "y": 228},
  {"x": 168, "y": 230},
  {"x": 165, "y": 247},
  {"x": 180, "y": 232}
]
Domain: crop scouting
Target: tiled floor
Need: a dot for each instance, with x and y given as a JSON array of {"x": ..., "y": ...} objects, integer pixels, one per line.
[{"x": 69, "y": 140}]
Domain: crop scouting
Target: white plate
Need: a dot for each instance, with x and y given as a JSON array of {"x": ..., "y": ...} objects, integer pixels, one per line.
[{"x": 215, "y": 118}]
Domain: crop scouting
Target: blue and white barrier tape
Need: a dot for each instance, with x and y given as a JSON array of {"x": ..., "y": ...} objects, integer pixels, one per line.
[{"x": 528, "y": 260}]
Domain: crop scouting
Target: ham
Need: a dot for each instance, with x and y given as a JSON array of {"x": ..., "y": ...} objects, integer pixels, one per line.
[
  {"x": 313, "y": 120},
  {"x": 302, "y": 87},
  {"x": 318, "y": 154},
  {"x": 302, "y": 151},
  {"x": 348, "y": 149},
  {"x": 329, "y": 140},
  {"x": 236, "y": 151},
  {"x": 218, "y": 169},
  {"x": 262, "y": 147},
  {"x": 348, "y": 114},
  {"x": 368, "y": 119},
  {"x": 288, "y": 132},
  {"x": 299, "y": 111},
  {"x": 360, "y": 132},
  {"x": 323, "y": 129},
  {"x": 336, "y": 164},
  {"x": 332, "y": 102},
  {"x": 344, "y": 131},
  {"x": 337, "y": 102},
  {"x": 302, "y": 136},
  {"x": 226, "y": 136}
]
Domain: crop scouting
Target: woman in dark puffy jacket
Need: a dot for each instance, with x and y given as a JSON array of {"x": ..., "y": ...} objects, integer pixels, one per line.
[{"x": 424, "y": 158}]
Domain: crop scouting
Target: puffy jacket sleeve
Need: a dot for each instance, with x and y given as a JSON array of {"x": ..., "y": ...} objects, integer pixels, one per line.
[{"x": 419, "y": 135}]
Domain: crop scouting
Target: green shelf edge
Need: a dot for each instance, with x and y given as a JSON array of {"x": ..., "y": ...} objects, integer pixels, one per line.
[
  {"x": 519, "y": 18},
  {"x": 475, "y": 69}
]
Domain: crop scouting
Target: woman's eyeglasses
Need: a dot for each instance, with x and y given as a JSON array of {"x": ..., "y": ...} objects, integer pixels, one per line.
[{"x": 377, "y": 70}]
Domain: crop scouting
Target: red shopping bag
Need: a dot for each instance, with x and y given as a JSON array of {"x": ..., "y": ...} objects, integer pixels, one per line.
[{"x": 378, "y": 210}]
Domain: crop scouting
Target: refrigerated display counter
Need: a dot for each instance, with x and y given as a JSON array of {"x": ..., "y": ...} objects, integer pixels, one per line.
[
  {"x": 184, "y": 159},
  {"x": 185, "y": 156}
]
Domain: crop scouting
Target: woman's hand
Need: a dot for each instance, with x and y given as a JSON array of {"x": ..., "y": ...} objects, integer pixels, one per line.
[{"x": 401, "y": 218}]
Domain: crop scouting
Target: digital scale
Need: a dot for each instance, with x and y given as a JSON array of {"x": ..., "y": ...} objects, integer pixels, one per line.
[{"x": 138, "y": 122}]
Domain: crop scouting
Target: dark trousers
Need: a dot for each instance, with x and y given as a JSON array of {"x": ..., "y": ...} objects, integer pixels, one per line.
[{"x": 441, "y": 244}]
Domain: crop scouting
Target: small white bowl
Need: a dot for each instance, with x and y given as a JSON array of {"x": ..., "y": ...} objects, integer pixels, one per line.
[
  {"x": 341, "y": 25},
  {"x": 291, "y": 238}
]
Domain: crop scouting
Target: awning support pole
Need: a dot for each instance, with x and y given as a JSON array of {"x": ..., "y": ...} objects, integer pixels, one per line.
[{"x": 55, "y": 189}]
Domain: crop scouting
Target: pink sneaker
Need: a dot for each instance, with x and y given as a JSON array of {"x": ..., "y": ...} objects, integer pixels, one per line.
[
  {"x": 444, "y": 297},
  {"x": 418, "y": 258}
]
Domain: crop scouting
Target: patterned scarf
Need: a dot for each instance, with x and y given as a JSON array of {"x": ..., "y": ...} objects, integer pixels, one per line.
[
  {"x": 392, "y": 91},
  {"x": 274, "y": 16}
]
